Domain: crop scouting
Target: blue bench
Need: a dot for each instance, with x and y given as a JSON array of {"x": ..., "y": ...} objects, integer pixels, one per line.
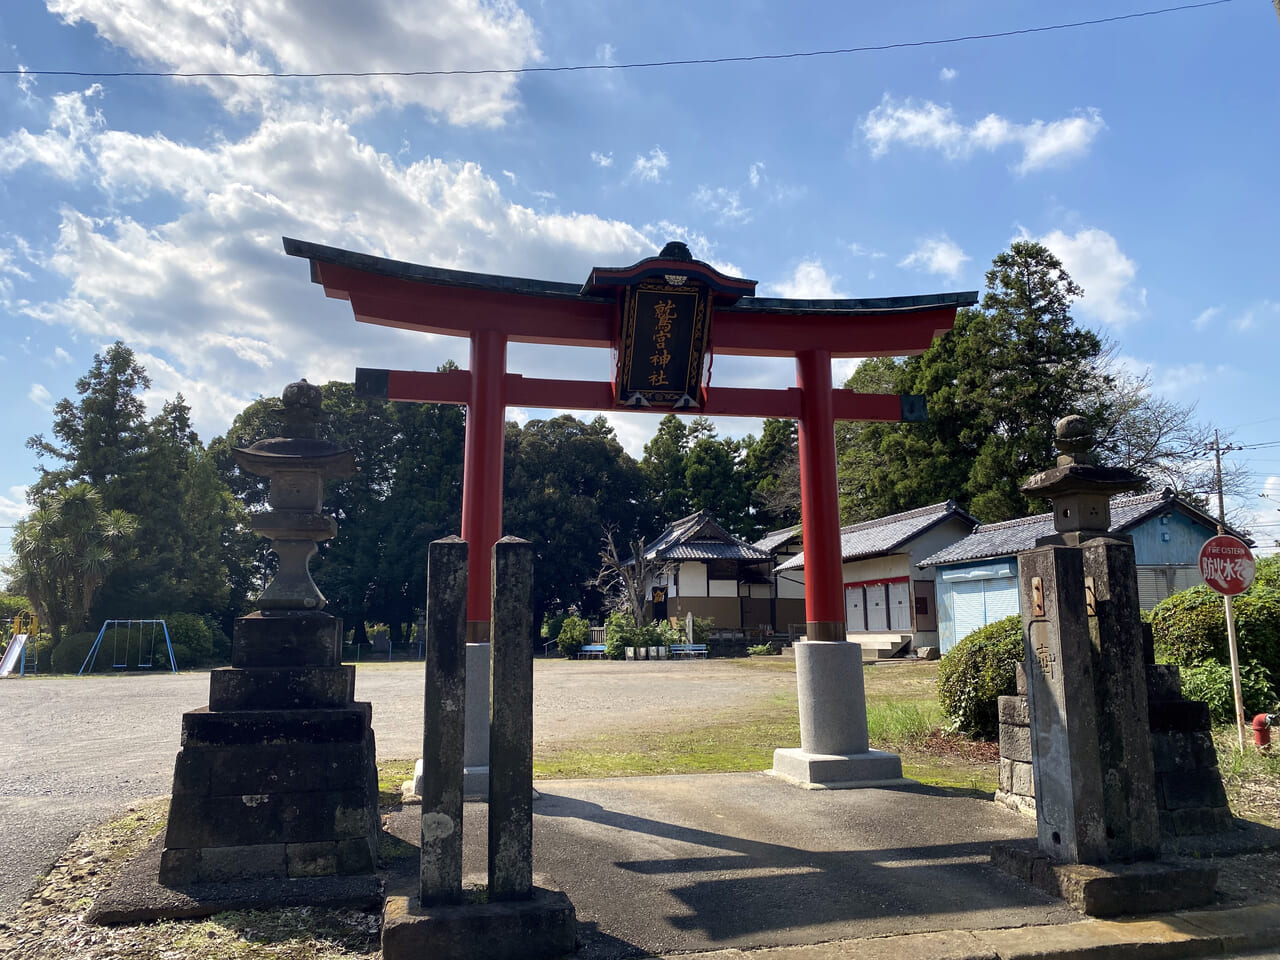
[
  {"x": 591, "y": 651},
  {"x": 685, "y": 650}
]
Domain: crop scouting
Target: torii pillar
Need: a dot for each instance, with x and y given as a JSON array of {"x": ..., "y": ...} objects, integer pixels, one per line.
[{"x": 658, "y": 316}]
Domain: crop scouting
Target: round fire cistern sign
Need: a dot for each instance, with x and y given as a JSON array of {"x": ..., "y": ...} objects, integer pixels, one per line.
[{"x": 1226, "y": 564}]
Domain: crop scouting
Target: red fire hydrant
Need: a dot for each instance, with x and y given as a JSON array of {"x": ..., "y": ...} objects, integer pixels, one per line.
[{"x": 1262, "y": 724}]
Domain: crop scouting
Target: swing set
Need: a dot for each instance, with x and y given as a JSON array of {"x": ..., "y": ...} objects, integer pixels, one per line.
[{"x": 141, "y": 641}]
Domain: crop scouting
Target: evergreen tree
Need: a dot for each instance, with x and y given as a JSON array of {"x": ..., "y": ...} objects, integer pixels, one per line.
[
  {"x": 663, "y": 467},
  {"x": 995, "y": 385}
]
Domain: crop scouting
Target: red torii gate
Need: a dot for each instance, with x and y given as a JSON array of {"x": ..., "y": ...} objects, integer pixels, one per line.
[{"x": 492, "y": 311}]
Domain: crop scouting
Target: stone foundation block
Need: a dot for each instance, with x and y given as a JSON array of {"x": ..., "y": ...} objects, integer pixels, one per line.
[
  {"x": 287, "y": 639},
  {"x": 1006, "y": 775},
  {"x": 1024, "y": 783},
  {"x": 1013, "y": 710},
  {"x": 1179, "y": 716},
  {"x": 540, "y": 928},
  {"x": 203, "y": 727},
  {"x": 1192, "y": 788},
  {"x": 329, "y": 857},
  {"x": 1113, "y": 889},
  {"x": 281, "y": 688},
  {"x": 1164, "y": 682},
  {"x": 206, "y": 822},
  {"x": 817, "y": 771},
  {"x": 1015, "y": 742},
  {"x": 1171, "y": 751}
]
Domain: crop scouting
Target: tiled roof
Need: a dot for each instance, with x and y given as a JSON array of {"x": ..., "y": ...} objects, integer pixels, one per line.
[
  {"x": 714, "y": 550},
  {"x": 699, "y": 537},
  {"x": 1012, "y": 536},
  {"x": 875, "y": 537},
  {"x": 776, "y": 538}
]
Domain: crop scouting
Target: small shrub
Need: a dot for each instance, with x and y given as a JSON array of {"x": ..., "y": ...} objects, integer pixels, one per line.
[
  {"x": 1211, "y": 682},
  {"x": 572, "y": 635},
  {"x": 619, "y": 633},
  {"x": 553, "y": 624},
  {"x": 975, "y": 673},
  {"x": 69, "y": 655},
  {"x": 764, "y": 650}
]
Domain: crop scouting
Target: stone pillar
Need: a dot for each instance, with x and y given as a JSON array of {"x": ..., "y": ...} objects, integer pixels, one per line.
[
  {"x": 443, "y": 720},
  {"x": 511, "y": 723}
]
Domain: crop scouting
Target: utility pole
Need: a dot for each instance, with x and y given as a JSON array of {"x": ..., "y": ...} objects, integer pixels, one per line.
[{"x": 1226, "y": 599}]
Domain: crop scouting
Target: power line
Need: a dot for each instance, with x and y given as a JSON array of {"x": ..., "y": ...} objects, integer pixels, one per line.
[{"x": 574, "y": 68}]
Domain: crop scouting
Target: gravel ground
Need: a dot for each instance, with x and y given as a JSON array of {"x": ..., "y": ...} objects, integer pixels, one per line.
[{"x": 76, "y": 750}]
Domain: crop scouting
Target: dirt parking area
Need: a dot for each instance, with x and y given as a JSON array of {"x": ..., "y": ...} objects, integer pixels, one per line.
[{"x": 74, "y": 750}]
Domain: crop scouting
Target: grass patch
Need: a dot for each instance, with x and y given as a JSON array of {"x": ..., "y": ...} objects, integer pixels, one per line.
[
  {"x": 726, "y": 746},
  {"x": 898, "y": 724},
  {"x": 391, "y": 774},
  {"x": 1251, "y": 778}
]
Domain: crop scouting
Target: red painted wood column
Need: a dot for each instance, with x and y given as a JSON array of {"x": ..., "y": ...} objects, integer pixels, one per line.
[
  {"x": 482, "y": 473},
  {"x": 819, "y": 503}
]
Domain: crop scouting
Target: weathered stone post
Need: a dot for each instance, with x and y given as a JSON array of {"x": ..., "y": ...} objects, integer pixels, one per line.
[
  {"x": 517, "y": 920},
  {"x": 1087, "y": 700},
  {"x": 511, "y": 723},
  {"x": 276, "y": 777},
  {"x": 442, "y": 723}
]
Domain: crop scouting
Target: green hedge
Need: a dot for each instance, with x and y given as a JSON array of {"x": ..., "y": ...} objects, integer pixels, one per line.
[
  {"x": 1190, "y": 627},
  {"x": 975, "y": 672}
]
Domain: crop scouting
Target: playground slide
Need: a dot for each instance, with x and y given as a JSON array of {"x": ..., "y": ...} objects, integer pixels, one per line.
[{"x": 13, "y": 654}]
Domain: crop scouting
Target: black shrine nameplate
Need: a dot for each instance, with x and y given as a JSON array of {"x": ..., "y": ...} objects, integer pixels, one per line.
[{"x": 663, "y": 343}]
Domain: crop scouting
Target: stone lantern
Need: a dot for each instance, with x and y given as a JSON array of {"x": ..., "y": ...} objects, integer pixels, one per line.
[
  {"x": 296, "y": 466},
  {"x": 276, "y": 778}
]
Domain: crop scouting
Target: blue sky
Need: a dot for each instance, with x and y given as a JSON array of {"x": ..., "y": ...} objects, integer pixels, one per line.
[{"x": 151, "y": 209}]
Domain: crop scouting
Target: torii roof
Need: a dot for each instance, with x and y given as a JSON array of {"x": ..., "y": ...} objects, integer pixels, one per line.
[{"x": 457, "y": 302}]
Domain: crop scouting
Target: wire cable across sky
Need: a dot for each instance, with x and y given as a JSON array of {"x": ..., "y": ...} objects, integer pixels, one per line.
[{"x": 574, "y": 68}]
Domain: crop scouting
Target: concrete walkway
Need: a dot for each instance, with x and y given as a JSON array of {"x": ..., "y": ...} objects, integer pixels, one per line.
[{"x": 723, "y": 864}]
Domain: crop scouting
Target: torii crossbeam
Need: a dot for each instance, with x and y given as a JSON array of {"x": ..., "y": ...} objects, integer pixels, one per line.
[{"x": 492, "y": 311}]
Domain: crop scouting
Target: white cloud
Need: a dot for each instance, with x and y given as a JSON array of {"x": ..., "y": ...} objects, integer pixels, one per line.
[
  {"x": 40, "y": 396},
  {"x": 606, "y": 53},
  {"x": 1205, "y": 317},
  {"x": 510, "y": 176},
  {"x": 858, "y": 250},
  {"x": 13, "y": 508},
  {"x": 755, "y": 173},
  {"x": 726, "y": 204},
  {"x": 929, "y": 125},
  {"x": 210, "y": 303},
  {"x": 602, "y": 159},
  {"x": 250, "y": 36},
  {"x": 809, "y": 281},
  {"x": 59, "y": 357},
  {"x": 947, "y": 74},
  {"x": 1251, "y": 317},
  {"x": 650, "y": 168},
  {"x": 940, "y": 255},
  {"x": 1094, "y": 260},
  {"x": 61, "y": 148}
]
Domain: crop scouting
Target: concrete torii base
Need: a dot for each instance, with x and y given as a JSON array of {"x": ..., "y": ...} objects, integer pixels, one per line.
[{"x": 834, "y": 752}]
